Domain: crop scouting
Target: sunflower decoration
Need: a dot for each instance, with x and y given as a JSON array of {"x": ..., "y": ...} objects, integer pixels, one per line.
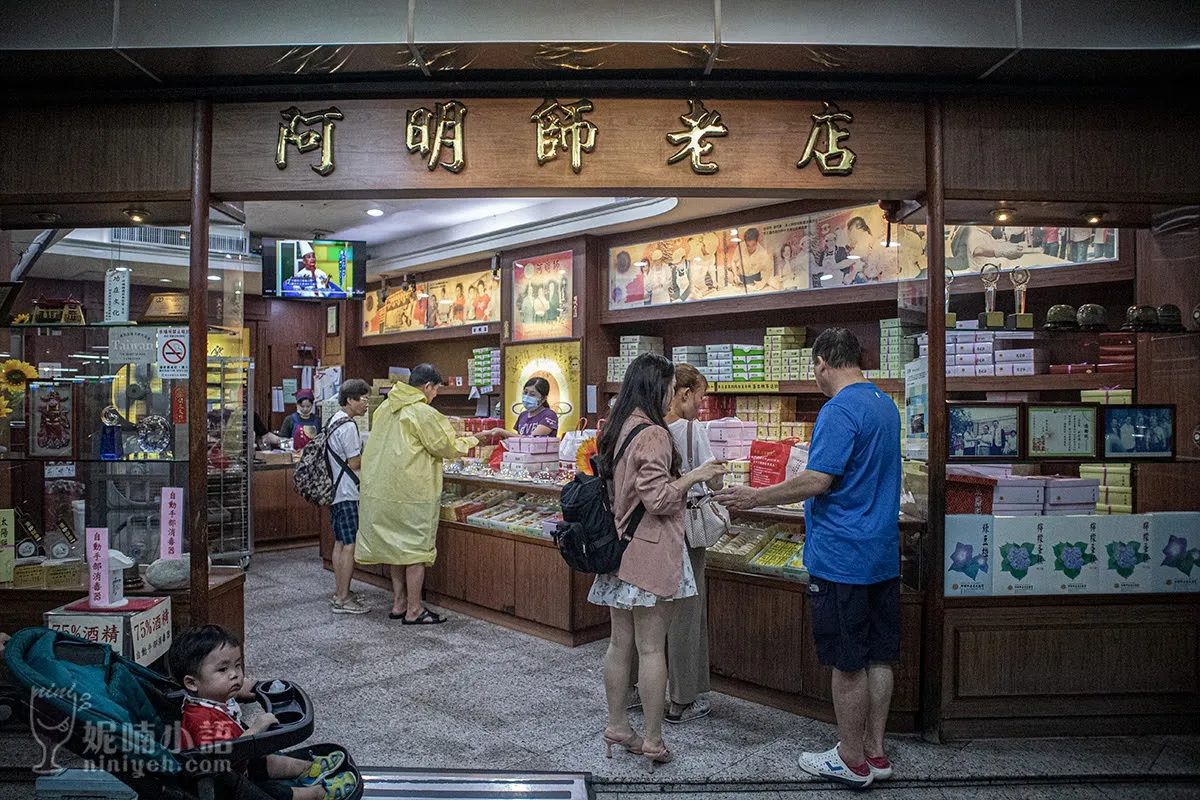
[
  {"x": 21, "y": 319},
  {"x": 14, "y": 374},
  {"x": 5, "y": 408},
  {"x": 583, "y": 456}
]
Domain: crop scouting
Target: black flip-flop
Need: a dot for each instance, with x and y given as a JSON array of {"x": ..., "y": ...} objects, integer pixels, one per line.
[
  {"x": 396, "y": 616},
  {"x": 426, "y": 617}
]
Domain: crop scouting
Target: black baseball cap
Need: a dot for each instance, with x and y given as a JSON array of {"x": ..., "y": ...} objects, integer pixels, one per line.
[{"x": 425, "y": 373}]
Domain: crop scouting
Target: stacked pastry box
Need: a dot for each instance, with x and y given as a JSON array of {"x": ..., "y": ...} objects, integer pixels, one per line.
[
  {"x": 730, "y": 440},
  {"x": 695, "y": 355},
  {"x": 1020, "y": 353},
  {"x": 749, "y": 362},
  {"x": 1078, "y": 554},
  {"x": 767, "y": 412},
  {"x": 717, "y": 406},
  {"x": 1113, "y": 352},
  {"x": 483, "y": 368},
  {"x": 895, "y": 348},
  {"x": 781, "y": 349},
  {"x": 531, "y": 454},
  {"x": 630, "y": 348},
  {"x": 969, "y": 353},
  {"x": 1116, "y": 483},
  {"x": 473, "y": 425}
]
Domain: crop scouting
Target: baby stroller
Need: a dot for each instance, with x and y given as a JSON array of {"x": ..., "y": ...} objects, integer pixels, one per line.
[{"x": 123, "y": 718}]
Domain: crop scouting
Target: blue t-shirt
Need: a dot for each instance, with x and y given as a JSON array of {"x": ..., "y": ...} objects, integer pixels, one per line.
[{"x": 853, "y": 530}]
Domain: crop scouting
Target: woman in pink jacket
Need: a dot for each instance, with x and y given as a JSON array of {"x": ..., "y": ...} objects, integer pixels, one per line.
[{"x": 655, "y": 568}]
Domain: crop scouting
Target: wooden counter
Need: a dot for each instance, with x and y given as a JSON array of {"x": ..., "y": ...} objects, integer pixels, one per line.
[
  {"x": 23, "y": 608},
  {"x": 282, "y": 518}
]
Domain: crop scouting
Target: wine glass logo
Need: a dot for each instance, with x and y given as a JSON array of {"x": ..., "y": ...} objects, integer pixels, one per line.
[{"x": 51, "y": 724}]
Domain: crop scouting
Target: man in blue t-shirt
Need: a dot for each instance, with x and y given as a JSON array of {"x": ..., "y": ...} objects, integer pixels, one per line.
[{"x": 851, "y": 489}]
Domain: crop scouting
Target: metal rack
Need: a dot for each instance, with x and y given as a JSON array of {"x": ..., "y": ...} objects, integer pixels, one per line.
[{"x": 230, "y": 456}]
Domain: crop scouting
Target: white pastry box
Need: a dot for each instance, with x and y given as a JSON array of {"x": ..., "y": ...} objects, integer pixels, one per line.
[
  {"x": 1175, "y": 551},
  {"x": 968, "y": 555},
  {"x": 1020, "y": 556},
  {"x": 1070, "y": 551},
  {"x": 1123, "y": 549},
  {"x": 1071, "y": 491},
  {"x": 1016, "y": 489}
]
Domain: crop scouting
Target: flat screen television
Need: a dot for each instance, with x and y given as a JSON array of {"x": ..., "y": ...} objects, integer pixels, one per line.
[{"x": 314, "y": 268}]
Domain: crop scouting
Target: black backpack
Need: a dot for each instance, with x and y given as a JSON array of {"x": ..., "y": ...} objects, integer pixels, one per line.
[{"x": 588, "y": 537}]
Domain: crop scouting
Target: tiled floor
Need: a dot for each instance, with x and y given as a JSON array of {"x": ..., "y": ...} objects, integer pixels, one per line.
[{"x": 468, "y": 694}]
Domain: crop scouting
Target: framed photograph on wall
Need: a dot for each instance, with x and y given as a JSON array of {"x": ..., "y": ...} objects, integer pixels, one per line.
[
  {"x": 1067, "y": 431},
  {"x": 985, "y": 431},
  {"x": 51, "y": 417},
  {"x": 1139, "y": 433}
]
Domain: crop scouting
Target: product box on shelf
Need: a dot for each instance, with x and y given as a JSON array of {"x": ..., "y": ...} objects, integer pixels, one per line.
[
  {"x": 1071, "y": 491},
  {"x": 1107, "y": 397},
  {"x": 532, "y": 444},
  {"x": 1123, "y": 549},
  {"x": 1020, "y": 560},
  {"x": 1111, "y": 475},
  {"x": 1019, "y": 369},
  {"x": 1115, "y": 495},
  {"x": 783, "y": 547},
  {"x": 735, "y": 549},
  {"x": 1071, "y": 557},
  {"x": 968, "y": 549},
  {"x": 1175, "y": 550}
]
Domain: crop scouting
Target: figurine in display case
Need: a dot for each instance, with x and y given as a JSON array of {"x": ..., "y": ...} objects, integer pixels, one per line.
[{"x": 51, "y": 420}]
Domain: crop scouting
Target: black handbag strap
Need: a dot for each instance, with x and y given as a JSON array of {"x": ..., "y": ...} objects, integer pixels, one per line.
[{"x": 635, "y": 519}]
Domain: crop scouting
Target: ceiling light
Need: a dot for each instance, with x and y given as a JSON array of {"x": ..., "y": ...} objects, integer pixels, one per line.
[
  {"x": 1002, "y": 214},
  {"x": 214, "y": 277},
  {"x": 374, "y": 212},
  {"x": 46, "y": 216},
  {"x": 826, "y": 277},
  {"x": 1093, "y": 217},
  {"x": 136, "y": 215},
  {"x": 164, "y": 280}
]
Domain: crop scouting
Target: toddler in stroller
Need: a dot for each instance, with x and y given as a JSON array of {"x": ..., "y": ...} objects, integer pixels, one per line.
[
  {"x": 126, "y": 719},
  {"x": 207, "y": 660}
]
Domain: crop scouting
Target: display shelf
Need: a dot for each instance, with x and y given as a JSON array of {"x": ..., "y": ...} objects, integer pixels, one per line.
[
  {"x": 25, "y": 457},
  {"x": 1043, "y": 383},
  {"x": 1079, "y": 601},
  {"x": 499, "y": 483},
  {"x": 789, "y": 387},
  {"x": 456, "y": 333}
]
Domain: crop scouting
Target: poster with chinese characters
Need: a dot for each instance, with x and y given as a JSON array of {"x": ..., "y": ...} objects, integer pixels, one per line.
[
  {"x": 442, "y": 303},
  {"x": 7, "y": 544},
  {"x": 559, "y": 364},
  {"x": 967, "y": 570},
  {"x": 150, "y": 632},
  {"x": 106, "y": 629},
  {"x": 542, "y": 297},
  {"x": 170, "y": 523},
  {"x": 1061, "y": 431}
]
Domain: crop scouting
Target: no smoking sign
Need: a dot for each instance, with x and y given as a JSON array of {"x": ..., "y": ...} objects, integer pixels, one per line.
[{"x": 173, "y": 350}]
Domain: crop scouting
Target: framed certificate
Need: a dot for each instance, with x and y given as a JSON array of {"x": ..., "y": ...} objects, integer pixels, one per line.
[{"x": 1065, "y": 432}]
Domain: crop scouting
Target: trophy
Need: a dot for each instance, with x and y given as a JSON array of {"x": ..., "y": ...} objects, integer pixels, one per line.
[
  {"x": 1020, "y": 321},
  {"x": 990, "y": 319},
  {"x": 111, "y": 448},
  {"x": 951, "y": 319}
]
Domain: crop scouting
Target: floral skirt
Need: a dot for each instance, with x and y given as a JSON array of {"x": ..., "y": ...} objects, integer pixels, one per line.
[{"x": 609, "y": 590}]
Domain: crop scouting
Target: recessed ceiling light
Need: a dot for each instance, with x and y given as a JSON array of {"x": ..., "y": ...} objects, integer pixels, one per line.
[
  {"x": 1002, "y": 214},
  {"x": 136, "y": 214},
  {"x": 374, "y": 212},
  {"x": 1093, "y": 217},
  {"x": 214, "y": 277},
  {"x": 46, "y": 216},
  {"x": 164, "y": 280}
]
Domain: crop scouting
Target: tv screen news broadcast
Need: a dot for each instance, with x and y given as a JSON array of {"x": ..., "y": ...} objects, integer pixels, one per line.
[{"x": 317, "y": 268}]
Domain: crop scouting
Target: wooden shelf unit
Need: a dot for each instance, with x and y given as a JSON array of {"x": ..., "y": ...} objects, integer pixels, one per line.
[
  {"x": 789, "y": 387},
  {"x": 453, "y": 334},
  {"x": 1043, "y": 383}
]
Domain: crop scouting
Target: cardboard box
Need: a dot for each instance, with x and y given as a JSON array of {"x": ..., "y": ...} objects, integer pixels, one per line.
[
  {"x": 1030, "y": 491},
  {"x": 1175, "y": 551},
  {"x": 1115, "y": 495},
  {"x": 966, "y": 568},
  {"x": 1019, "y": 368},
  {"x": 1112, "y": 475},
  {"x": 1020, "y": 556},
  {"x": 1071, "y": 491},
  {"x": 1072, "y": 564}
]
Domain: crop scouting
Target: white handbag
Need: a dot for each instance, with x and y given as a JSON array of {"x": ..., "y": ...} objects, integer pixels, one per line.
[{"x": 705, "y": 521}]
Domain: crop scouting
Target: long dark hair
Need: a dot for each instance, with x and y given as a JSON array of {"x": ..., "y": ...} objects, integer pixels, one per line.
[{"x": 646, "y": 384}]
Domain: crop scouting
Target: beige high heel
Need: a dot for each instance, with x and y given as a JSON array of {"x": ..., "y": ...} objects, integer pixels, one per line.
[
  {"x": 632, "y": 743},
  {"x": 662, "y": 755}
]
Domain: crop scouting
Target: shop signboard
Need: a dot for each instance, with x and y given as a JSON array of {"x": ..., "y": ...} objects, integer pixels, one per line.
[{"x": 559, "y": 364}]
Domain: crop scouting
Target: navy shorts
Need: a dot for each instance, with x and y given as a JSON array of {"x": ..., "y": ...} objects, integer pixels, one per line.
[
  {"x": 344, "y": 517},
  {"x": 855, "y": 625}
]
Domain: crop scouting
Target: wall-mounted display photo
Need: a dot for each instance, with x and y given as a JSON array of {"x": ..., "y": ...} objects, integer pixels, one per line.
[
  {"x": 985, "y": 431},
  {"x": 1139, "y": 432}
]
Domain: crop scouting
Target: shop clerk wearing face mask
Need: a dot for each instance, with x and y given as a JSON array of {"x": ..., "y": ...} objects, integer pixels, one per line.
[{"x": 537, "y": 419}]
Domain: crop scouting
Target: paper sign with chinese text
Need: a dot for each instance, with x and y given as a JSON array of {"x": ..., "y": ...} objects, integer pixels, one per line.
[
  {"x": 116, "y": 295},
  {"x": 7, "y": 542},
  {"x": 170, "y": 523},
  {"x": 97, "y": 560},
  {"x": 106, "y": 629},
  {"x": 150, "y": 632}
]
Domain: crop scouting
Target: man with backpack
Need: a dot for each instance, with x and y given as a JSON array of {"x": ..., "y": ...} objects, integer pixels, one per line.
[{"x": 344, "y": 454}]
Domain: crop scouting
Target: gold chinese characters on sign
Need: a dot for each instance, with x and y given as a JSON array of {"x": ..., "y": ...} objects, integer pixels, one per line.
[
  {"x": 307, "y": 140},
  {"x": 700, "y": 123},
  {"x": 428, "y": 133},
  {"x": 835, "y": 160},
  {"x": 562, "y": 126}
]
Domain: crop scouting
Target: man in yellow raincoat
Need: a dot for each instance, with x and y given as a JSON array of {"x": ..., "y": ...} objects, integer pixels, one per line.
[{"x": 401, "y": 490}]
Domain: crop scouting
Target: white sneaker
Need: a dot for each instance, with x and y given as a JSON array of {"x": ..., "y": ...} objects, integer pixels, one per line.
[{"x": 830, "y": 765}]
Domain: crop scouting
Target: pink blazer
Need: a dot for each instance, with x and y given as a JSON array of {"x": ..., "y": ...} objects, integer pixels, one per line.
[{"x": 654, "y": 559}]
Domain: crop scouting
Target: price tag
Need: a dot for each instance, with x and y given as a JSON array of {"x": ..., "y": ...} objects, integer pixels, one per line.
[{"x": 477, "y": 329}]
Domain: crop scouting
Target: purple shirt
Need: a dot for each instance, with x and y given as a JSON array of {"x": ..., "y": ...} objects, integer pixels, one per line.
[{"x": 526, "y": 422}]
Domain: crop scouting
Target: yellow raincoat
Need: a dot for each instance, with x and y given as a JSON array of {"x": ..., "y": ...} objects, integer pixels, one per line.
[{"x": 401, "y": 490}]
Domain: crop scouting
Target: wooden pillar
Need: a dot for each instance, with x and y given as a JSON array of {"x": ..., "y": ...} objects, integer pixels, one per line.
[
  {"x": 931, "y": 549},
  {"x": 197, "y": 504}
]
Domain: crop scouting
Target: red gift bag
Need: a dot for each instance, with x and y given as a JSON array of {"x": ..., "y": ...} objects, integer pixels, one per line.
[
  {"x": 497, "y": 456},
  {"x": 768, "y": 462}
]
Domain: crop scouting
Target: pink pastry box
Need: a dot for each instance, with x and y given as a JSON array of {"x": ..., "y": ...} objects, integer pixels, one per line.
[
  {"x": 532, "y": 459},
  {"x": 731, "y": 451},
  {"x": 532, "y": 444},
  {"x": 731, "y": 429}
]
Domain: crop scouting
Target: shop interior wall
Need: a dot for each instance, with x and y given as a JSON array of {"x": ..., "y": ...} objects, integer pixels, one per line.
[{"x": 276, "y": 328}]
